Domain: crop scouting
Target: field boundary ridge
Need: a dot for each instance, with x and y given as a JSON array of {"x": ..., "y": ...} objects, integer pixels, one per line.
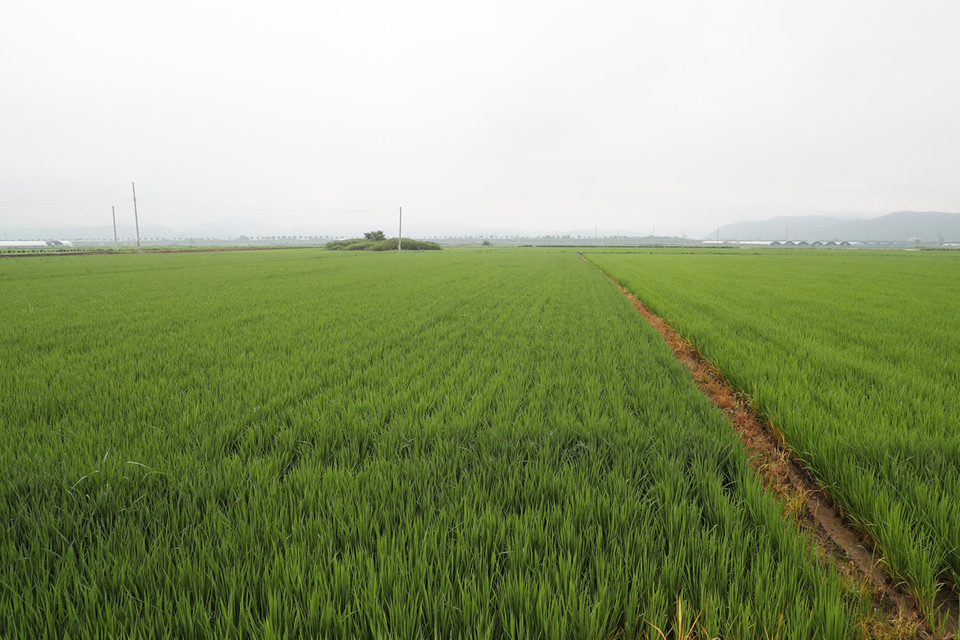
[{"x": 839, "y": 539}]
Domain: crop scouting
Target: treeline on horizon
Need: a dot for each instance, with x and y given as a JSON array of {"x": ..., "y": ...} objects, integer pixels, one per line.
[{"x": 387, "y": 244}]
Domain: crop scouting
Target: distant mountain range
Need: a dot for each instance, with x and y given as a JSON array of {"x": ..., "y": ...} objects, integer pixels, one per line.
[{"x": 902, "y": 226}]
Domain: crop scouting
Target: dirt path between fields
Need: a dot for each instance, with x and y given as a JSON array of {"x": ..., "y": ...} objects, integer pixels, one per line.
[{"x": 839, "y": 539}]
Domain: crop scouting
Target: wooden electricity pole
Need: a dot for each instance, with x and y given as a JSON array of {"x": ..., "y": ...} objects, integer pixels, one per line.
[
  {"x": 136, "y": 218},
  {"x": 113, "y": 210},
  {"x": 400, "y": 236}
]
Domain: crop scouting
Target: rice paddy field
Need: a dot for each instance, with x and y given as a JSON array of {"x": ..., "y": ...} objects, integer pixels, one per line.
[
  {"x": 460, "y": 444},
  {"x": 855, "y": 358}
]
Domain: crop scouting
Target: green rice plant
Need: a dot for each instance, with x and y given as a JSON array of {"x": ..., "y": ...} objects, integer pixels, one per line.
[
  {"x": 851, "y": 355},
  {"x": 454, "y": 444}
]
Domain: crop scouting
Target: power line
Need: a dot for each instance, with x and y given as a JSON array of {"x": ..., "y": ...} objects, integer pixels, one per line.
[
  {"x": 193, "y": 205},
  {"x": 60, "y": 203}
]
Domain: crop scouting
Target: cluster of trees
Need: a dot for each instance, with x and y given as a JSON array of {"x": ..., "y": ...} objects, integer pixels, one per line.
[{"x": 377, "y": 241}]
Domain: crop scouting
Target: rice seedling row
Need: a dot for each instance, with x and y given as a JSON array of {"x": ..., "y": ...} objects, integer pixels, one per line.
[{"x": 852, "y": 357}]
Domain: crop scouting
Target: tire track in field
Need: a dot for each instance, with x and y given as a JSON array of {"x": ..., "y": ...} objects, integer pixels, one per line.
[{"x": 838, "y": 538}]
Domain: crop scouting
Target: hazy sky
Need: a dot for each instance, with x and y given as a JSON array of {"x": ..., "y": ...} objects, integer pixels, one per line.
[{"x": 544, "y": 116}]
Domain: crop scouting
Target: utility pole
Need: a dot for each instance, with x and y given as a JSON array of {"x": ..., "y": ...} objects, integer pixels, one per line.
[
  {"x": 113, "y": 210},
  {"x": 136, "y": 217},
  {"x": 400, "y": 233}
]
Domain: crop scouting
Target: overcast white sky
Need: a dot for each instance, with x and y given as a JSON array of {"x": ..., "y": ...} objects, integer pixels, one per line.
[{"x": 544, "y": 116}]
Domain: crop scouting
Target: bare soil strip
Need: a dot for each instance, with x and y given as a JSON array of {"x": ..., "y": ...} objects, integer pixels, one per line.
[{"x": 838, "y": 538}]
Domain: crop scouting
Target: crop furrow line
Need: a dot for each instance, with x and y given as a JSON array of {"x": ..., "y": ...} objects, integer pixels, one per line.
[{"x": 836, "y": 535}]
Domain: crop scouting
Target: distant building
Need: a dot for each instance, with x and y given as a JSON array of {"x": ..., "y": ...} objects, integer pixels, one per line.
[{"x": 37, "y": 244}]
